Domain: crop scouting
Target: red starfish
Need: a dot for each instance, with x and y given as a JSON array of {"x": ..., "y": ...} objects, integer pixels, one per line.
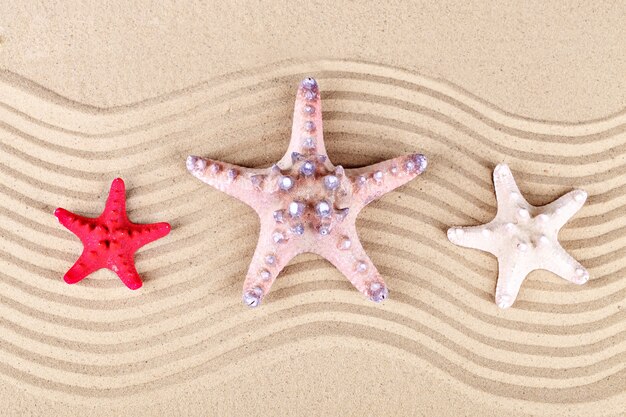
[{"x": 111, "y": 240}]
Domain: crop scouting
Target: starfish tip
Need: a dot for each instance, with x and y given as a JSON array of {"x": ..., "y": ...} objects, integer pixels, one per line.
[
  {"x": 580, "y": 195},
  {"x": 135, "y": 285},
  {"x": 453, "y": 233},
  {"x": 378, "y": 292},
  {"x": 502, "y": 170},
  {"x": 195, "y": 164},
  {"x": 252, "y": 299},
  {"x": 117, "y": 184},
  {"x": 421, "y": 161},
  {"x": 582, "y": 276},
  {"x": 308, "y": 83},
  {"x": 58, "y": 212},
  {"x": 504, "y": 301},
  {"x": 70, "y": 278}
]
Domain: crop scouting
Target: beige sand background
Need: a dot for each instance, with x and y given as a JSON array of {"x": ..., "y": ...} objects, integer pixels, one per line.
[{"x": 89, "y": 92}]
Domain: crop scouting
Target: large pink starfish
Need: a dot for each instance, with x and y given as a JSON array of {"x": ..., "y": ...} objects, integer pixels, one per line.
[{"x": 306, "y": 204}]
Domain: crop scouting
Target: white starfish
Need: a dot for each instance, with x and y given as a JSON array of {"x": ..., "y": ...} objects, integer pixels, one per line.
[{"x": 523, "y": 237}]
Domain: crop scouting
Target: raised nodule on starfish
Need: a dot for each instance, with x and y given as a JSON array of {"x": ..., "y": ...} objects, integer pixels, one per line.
[
  {"x": 307, "y": 204},
  {"x": 523, "y": 237}
]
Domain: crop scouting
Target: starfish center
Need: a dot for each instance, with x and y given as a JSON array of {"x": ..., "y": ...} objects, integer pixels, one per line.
[{"x": 313, "y": 197}]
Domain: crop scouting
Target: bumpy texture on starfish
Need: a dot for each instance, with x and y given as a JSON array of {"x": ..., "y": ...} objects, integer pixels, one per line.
[
  {"x": 306, "y": 204},
  {"x": 523, "y": 237},
  {"x": 111, "y": 240}
]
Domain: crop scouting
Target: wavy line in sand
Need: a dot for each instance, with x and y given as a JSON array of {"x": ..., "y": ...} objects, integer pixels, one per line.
[
  {"x": 449, "y": 253},
  {"x": 125, "y": 329},
  {"x": 607, "y": 387},
  {"x": 459, "y": 128},
  {"x": 291, "y": 69},
  {"x": 605, "y": 131}
]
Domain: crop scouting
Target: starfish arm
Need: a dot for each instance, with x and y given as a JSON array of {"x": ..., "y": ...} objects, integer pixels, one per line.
[
  {"x": 124, "y": 266},
  {"x": 307, "y": 129},
  {"x": 115, "y": 207},
  {"x": 564, "y": 208},
  {"x": 564, "y": 265},
  {"x": 506, "y": 188},
  {"x": 511, "y": 275},
  {"x": 76, "y": 224},
  {"x": 245, "y": 184},
  {"x": 270, "y": 257},
  {"x": 349, "y": 257},
  {"x": 374, "y": 181},
  {"x": 476, "y": 237},
  {"x": 143, "y": 234},
  {"x": 84, "y": 266}
]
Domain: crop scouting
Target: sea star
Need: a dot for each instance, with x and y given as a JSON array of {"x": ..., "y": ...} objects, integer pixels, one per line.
[
  {"x": 307, "y": 204},
  {"x": 523, "y": 237},
  {"x": 111, "y": 240}
]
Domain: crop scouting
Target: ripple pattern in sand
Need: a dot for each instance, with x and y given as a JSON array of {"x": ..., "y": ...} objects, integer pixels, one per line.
[{"x": 187, "y": 321}]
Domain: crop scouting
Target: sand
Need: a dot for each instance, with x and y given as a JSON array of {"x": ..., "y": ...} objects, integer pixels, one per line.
[{"x": 89, "y": 92}]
